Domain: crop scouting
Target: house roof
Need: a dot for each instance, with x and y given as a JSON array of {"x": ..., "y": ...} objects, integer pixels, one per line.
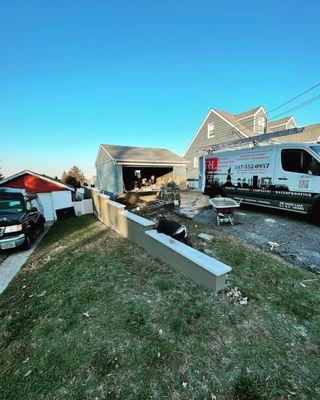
[
  {"x": 281, "y": 121},
  {"x": 244, "y": 114},
  {"x": 232, "y": 118},
  {"x": 41, "y": 176},
  {"x": 310, "y": 133},
  {"x": 142, "y": 154}
]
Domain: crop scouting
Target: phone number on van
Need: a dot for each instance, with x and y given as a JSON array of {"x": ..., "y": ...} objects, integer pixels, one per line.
[{"x": 252, "y": 166}]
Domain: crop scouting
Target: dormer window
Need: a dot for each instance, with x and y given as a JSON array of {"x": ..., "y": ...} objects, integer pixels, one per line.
[
  {"x": 260, "y": 125},
  {"x": 210, "y": 130}
]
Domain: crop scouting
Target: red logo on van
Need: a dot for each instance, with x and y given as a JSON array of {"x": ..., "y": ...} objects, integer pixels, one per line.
[{"x": 211, "y": 164}]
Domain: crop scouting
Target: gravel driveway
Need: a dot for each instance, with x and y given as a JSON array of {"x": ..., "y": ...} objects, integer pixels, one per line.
[{"x": 297, "y": 238}]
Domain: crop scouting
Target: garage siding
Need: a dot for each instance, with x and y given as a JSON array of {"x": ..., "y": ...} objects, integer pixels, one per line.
[{"x": 107, "y": 177}]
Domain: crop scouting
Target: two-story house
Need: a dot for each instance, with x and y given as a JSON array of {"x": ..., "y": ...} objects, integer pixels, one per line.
[{"x": 222, "y": 127}]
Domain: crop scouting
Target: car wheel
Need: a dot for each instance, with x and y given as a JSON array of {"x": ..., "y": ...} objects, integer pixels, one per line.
[{"x": 27, "y": 242}]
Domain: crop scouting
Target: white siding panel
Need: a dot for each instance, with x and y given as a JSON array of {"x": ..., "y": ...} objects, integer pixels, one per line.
[
  {"x": 61, "y": 199},
  {"x": 47, "y": 204}
]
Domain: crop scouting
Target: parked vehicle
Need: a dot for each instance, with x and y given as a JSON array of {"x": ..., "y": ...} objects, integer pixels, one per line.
[
  {"x": 21, "y": 218},
  {"x": 282, "y": 176}
]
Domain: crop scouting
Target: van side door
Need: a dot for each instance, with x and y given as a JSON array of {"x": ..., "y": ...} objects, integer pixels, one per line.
[{"x": 298, "y": 170}]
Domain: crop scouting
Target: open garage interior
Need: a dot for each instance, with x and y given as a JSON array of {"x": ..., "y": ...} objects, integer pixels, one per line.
[
  {"x": 123, "y": 169},
  {"x": 137, "y": 178}
]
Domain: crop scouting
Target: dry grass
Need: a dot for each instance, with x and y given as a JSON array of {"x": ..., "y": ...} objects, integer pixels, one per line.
[{"x": 92, "y": 316}]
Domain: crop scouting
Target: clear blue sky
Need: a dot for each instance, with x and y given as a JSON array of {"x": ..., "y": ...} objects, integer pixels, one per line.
[{"x": 74, "y": 74}]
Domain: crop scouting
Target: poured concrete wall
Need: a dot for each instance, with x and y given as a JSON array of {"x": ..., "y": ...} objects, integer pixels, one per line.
[{"x": 201, "y": 268}]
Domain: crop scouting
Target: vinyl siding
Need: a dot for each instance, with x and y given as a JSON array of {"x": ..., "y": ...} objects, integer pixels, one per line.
[
  {"x": 291, "y": 124},
  {"x": 223, "y": 133},
  {"x": 102, "y": 157},
  {"x": 248, "y": 122},
  {"x": 278, "y": 128},
  {"x": 106, "y": 172},
  {"x": 260, "y": 114},
  {"x": 107, "y": 177}
]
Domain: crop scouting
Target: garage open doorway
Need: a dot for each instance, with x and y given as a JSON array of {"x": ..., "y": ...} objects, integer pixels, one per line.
[{"x": 138, "y": 177}]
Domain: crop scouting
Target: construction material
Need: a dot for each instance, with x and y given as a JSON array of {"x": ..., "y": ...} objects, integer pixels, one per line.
[{"x": 224, "y": 208}]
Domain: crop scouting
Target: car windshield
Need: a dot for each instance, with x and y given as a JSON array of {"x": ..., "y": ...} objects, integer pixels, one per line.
[
  {"x": 11, "y": 206},
  {"x": 316, "y": 149}
]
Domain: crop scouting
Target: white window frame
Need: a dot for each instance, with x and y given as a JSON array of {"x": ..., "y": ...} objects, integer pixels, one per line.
[
  {"x": 196, "y": 162},
  {"x": 210, "y": 128},
  {"x": 260, "y": 124}
]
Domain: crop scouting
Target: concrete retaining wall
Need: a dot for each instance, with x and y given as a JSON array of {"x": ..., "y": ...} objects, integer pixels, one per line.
[{"x": 201, "y": 268}]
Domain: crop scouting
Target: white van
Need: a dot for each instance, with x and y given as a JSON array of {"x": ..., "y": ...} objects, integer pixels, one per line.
[{"x": 284, "y": 176}]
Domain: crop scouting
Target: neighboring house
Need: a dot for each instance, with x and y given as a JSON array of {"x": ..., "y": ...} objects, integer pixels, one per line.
[
  {"x": 221, "y": 127},
  {"x": 118, "y": 167},
  {"x": 52, "y": 193}
]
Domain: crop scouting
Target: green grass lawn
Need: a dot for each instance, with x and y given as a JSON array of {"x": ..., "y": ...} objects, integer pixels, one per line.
[{"x": 92, "y": 316}]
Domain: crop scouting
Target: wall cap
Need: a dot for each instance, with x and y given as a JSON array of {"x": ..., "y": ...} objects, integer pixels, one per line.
[
  {"x": 140, "y": 220},
  {"x": 210, "y": 264}
]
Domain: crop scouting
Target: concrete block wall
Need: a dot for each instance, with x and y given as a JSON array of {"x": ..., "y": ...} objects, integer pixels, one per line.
[{"x": 201, "y": 268}]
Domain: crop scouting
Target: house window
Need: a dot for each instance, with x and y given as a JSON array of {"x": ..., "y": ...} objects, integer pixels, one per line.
[
  {"x": 260, "y": 125},
  {"x": 210, "y": 130},
  {"x": 196, "y": 162}
]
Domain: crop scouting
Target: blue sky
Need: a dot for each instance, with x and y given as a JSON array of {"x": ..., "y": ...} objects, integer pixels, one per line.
[{"x": 74, "y": 74}]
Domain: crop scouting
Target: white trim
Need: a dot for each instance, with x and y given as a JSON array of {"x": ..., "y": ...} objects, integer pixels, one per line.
[
  {"x": 230, "y": 123},
  {"x": 254, "y": 114},
  {"x": 291, "y": 118},
  {"x": 102, "y": 147},
  {"x": 195, "y": 135},
  {"x": 248, "y": 116},
  {"x": 274, "y": 126},
  {"x": 210, "y": 130},
  {"x": 224, "y": 119},
  {"x": 262, "y": 110},
  {"x": 26, "y": 171},
  {"x": 107, "y": 152},
  {"x": 159, "y": 164}
]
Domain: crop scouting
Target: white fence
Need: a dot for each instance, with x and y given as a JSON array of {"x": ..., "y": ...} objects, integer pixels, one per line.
[{"x": 83, "y": 207}]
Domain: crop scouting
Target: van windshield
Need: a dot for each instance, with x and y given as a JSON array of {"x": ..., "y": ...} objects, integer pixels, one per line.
[
  {"x": 316, "y": 148},
  {"x": 11, "y": 206}
]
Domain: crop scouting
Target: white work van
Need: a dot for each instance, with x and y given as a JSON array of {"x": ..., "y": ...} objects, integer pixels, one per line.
[{"x": 283, "y": 176}]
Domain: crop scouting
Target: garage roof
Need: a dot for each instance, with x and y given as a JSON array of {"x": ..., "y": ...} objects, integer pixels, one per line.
[
  {"x": 40, "y": 176},
  {"x": 142, "y": 154}
]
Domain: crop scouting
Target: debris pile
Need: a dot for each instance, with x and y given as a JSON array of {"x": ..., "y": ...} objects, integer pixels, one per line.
[
  {"x": 235, "y": 297},
  {"x": 169, "y": 193}
]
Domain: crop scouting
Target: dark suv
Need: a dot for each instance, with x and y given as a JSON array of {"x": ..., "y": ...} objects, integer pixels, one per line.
[{"x": 21, "y": 218}]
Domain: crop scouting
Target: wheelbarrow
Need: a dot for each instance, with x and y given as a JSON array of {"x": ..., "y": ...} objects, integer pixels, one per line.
[{"x": 224, "y": 208}]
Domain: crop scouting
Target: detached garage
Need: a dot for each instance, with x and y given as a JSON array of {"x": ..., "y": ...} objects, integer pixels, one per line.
[
  {"x": 52, "y": 193},
  {"x": 125, "y": 168}
]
